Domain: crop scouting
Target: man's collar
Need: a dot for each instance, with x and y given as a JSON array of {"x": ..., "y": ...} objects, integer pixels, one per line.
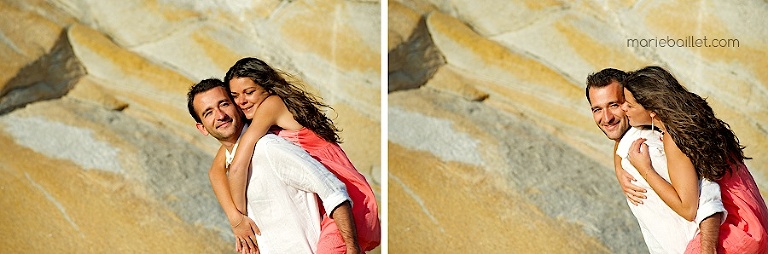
[{"x": 230, "y": 155}]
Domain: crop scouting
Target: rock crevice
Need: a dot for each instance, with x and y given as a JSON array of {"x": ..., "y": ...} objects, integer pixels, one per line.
[{"x": 51, "y": 76}]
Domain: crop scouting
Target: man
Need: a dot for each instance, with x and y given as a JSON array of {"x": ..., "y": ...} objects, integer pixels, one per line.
[
  {"x": 664, "y": 231},
  {"x": 283, "y": 181}
]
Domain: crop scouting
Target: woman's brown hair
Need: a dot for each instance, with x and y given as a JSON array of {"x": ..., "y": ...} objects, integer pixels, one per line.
[
  {"x": 706, "y": 140},
  {"x": 305, "y": 108}
]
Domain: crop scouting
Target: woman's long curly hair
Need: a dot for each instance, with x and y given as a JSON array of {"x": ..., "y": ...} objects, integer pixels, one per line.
[
  {"x": 305, "y": 108},
  {"x": 706, "y": 140}
]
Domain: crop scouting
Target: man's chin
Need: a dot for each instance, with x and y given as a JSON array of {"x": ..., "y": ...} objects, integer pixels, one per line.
[{"x": 612, "y": 135}]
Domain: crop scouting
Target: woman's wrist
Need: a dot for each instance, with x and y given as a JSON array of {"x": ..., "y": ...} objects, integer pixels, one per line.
[
  {"x": 646, "y": 171},
  {"x": 235, "y": 217},
  {"x": 240, "y": 221}
]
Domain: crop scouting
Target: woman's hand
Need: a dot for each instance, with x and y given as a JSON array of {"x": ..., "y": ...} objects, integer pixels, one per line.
[
  {"x": 245, "y": 237},
  {"x": 640, "y": 158}
]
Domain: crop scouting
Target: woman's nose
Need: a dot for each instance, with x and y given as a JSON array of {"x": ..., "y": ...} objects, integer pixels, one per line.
[{"x": 240, "y": 100}]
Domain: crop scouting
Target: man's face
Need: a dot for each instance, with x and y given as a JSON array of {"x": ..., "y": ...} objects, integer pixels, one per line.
[
  {"x": 219, "y": 116},
  {"x": 606, "y": 110}
]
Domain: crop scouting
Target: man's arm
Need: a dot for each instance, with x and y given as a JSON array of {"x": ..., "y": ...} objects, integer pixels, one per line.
[
  {"x": 298, "y": 169},
  {"x": 342, "y": 215},
  {"x": 710, "y": 232},
  {"x": 710, "y": 215}
]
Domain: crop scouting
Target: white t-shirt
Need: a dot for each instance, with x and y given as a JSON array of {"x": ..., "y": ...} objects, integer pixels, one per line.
[
  {"x": 664, "y": 230},
  {"x": 282, "y": 184}
]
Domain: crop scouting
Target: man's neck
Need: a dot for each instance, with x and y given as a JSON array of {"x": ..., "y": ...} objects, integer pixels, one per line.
[
  {"x": 622, "y": 135},
  {"x": 229, "y": 145},
  {"x": 232, "y": 142}
]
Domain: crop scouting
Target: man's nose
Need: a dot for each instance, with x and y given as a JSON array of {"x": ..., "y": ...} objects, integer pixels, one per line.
[
  {"x": 607, "y": 115},
  {"x": 220, "y": 115}
]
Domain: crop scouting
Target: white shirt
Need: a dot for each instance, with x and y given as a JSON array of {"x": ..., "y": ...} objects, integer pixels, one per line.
[
  {"x": 664, "y": 230},
  {"x": 281, "y": 196}
]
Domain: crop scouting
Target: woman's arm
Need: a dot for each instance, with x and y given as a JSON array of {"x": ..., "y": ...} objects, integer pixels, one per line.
[
  {"x": 633, "y": 192},
  {"x": 682, "y": 195},
  {"x": 271, "y": 112}
]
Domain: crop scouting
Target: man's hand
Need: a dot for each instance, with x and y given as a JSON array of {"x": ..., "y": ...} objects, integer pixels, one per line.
[
  {"x": 245, "y": 236},
  {"x": 633, "y": 192}
]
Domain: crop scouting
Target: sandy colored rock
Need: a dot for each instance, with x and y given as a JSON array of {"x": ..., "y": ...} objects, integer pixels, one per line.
[
  {"x": 416, "y": 59},
  {"x": 75, "y": 208},
  {"x": 402, "y": 22},
  {"x": 27, "y": 36},
  {"x": 446, "y": 79},
  {"x": 49, "y": 77},
  {"x": 470, "y": 215},
  {"x": 88, "y": 90}
]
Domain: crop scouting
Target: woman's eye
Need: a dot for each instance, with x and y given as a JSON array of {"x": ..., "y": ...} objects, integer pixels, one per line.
[{"x": 249, "y": 92}]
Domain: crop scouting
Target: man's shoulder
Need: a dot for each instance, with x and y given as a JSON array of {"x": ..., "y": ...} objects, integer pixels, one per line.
[
  {"x": 631, "y": 134},
  {"x": 276, "y": 144},
  {"x": 626, "y": 141},
  {"x": 270, "y": 140}
]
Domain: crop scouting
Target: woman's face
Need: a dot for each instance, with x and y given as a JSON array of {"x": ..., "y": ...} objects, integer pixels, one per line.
[
  {"x": 635, "y": 112},
  {"x": 247, "y": 95}
]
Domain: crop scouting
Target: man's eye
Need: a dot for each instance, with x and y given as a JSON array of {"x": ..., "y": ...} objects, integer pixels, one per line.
[{"x": 594, "y": 110}]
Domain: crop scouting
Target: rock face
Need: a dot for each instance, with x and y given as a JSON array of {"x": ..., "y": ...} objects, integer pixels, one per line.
[
  {"x": 496, "y": 147},
  {"x": 50, "y": 76},
  {"x": 97, "y": 141}
]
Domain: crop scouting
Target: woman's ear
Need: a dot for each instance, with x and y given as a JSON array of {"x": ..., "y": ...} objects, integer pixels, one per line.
[{"x": 653, "y": 114}]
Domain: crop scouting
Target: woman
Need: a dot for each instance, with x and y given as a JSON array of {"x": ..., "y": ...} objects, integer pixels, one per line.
[
  {"x": 271, "y": 102},
  {"x": 697, "y": 145}
]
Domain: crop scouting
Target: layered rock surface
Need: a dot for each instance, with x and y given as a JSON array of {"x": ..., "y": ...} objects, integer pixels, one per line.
[
  {"x": 497, "y": 109},
  {"x": 100, "y": 154}
]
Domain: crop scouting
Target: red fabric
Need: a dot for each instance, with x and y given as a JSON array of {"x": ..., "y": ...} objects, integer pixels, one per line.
[
  {"x": 744, "y": 231},
  {"x": 330, "y": 241},
  {"x": 364, "y": 208}
]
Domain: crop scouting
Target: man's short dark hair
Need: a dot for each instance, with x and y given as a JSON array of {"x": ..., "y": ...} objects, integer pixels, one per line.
[
  {"x": 203, "y": 86},
  {"x": 603, "y": 78}
]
